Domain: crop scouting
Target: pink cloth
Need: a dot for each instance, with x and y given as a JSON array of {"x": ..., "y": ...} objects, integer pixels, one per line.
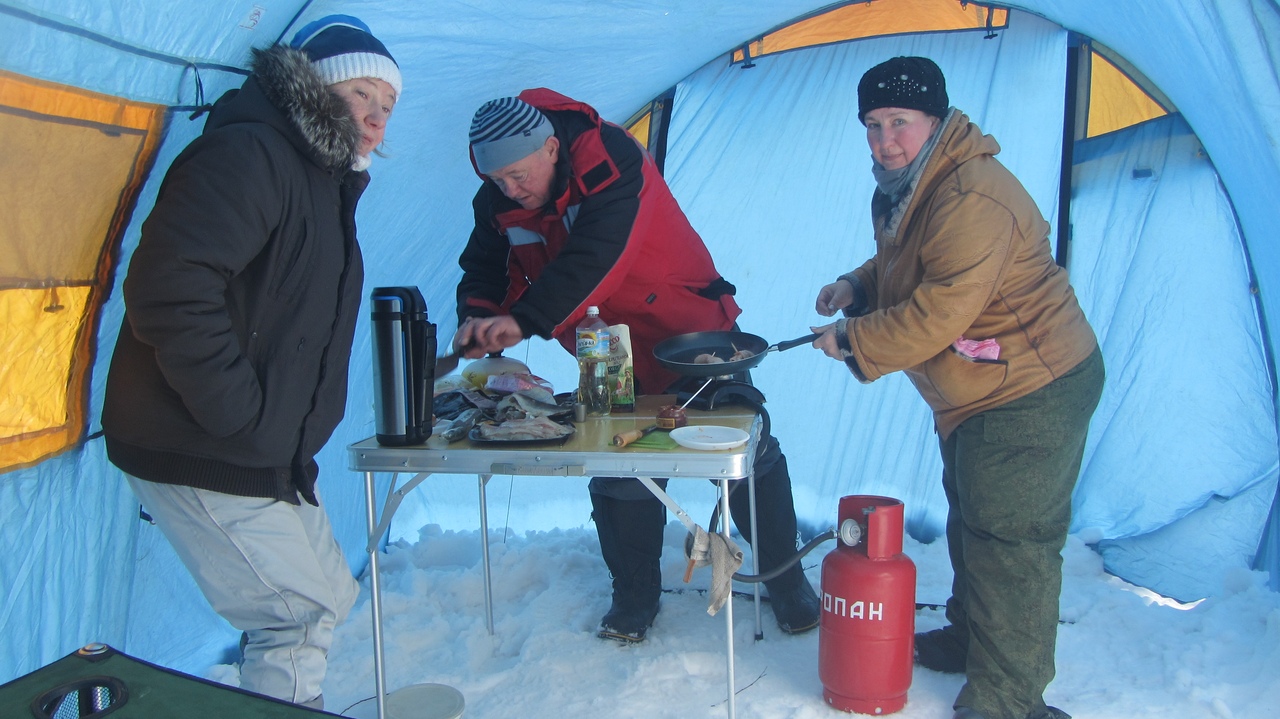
[{"x": 987, "y": 349}]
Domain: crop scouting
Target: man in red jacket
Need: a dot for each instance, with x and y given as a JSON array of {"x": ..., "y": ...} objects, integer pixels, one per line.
[{"x": 572, "y": 213}]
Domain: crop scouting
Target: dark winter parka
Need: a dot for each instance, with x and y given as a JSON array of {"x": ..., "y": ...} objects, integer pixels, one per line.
[{"x": 230, "y": 371}]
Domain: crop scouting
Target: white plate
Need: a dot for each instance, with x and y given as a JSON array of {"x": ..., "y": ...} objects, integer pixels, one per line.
[{"x": 709, "y": 436}]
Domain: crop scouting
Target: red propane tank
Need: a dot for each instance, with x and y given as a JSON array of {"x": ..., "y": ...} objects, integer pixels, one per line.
[{"x": 867, "y": 633}]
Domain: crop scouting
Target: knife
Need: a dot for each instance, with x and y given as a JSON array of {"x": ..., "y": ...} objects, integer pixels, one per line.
[
  {"x": 449, "y": 362},
  {"x": 625, "y": 438}
]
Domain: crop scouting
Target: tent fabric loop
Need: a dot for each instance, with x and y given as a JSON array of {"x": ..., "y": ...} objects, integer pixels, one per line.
[
  {"x": 200, "y": 106},
  {"x": 54, "y": 305}
]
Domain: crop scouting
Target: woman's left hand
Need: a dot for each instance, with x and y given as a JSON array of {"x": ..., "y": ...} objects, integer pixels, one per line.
[
  {"x": 827, "y": 342},
  {"x": 834, "y": 297}
]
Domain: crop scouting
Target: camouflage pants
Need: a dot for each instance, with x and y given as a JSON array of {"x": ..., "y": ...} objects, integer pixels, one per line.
[{"x": 1008, "y": 474}]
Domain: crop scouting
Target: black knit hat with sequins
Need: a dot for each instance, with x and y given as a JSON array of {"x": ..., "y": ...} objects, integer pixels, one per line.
[{"x": 914, "y": 83}]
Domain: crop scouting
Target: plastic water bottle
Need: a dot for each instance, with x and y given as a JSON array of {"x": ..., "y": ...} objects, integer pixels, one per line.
[{"x": 593, "y": 364}]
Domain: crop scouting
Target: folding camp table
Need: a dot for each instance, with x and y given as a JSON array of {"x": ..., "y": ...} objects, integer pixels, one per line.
[{"x": 589, "y": 452}]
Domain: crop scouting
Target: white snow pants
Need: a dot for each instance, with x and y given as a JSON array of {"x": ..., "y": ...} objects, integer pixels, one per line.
[{"x": 271, "y": 569}]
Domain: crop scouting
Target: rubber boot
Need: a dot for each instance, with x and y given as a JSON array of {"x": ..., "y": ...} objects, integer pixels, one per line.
[
  {"x": 630, "y": 534},
  {"x": 795, "y": 604},
  {"x": 942, "y": 650}
]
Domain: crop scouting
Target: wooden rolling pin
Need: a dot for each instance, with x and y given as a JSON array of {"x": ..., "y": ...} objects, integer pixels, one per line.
[{"x": 626, "y": 438}]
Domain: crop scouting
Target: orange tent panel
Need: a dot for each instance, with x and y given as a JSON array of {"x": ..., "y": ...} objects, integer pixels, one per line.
[
  {"x": 873, "y": 19},
  {"x": 1115, "y": 100},
  {"x": 640, "y": 128},
  {"x": 84, "y": 157}
]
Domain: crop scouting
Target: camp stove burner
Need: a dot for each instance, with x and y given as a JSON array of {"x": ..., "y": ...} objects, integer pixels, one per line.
[{"x": 719, "y": 394}]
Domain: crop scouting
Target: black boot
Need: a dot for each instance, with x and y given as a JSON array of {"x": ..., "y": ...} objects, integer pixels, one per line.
[
  {"x": 795, "y": 604},
  {"x": 631, "y": 542},
  {"x": 796, "y": 610},
  {"x": 941, "y": 650}
]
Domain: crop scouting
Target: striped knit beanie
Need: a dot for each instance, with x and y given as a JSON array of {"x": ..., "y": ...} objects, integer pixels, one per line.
[
  {"x": 506, "y": 130},
  {"x": 342, "y": 48}
]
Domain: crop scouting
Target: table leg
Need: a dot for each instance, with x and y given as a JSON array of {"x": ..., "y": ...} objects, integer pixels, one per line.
[
  {"x": 669, "y": 503},
  {"x": 755, "y": 555},
  {"x": 484, "y": 552},
  {"x": 389, "y": 507},
  {"x": 728, "y": 606},
  {"x": 375, "y": 590}
]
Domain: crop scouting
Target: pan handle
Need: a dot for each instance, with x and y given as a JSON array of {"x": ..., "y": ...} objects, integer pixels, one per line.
[{"x": 796, "y": 342}]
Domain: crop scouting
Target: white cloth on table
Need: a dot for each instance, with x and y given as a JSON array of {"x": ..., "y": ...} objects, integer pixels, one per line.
[{"x": 724, "y": 557}]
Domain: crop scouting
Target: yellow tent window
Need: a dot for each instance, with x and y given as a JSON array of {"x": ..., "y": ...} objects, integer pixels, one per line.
[
  {"x": 1115, "y": 100},
  {"x": 79, "y": 159},
  {"x": 640, "y": 127},
  {"x": 646, "y": 123},
  {"x": 873, "y": 19}
]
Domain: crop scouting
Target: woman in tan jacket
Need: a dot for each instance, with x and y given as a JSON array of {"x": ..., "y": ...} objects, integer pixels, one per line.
[{"x": 963, "y": 295}]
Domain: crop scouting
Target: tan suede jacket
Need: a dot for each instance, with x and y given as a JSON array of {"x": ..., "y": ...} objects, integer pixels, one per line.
[{"x": 967, "y": 256}]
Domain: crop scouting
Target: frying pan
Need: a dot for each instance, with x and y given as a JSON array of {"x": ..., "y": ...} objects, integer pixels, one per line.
[{"x": 677, "y": 353}]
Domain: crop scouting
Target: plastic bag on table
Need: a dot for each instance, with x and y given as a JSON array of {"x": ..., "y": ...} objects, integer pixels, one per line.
[
  {"x": 530, "y": 384},
  {"x": 621, "y": 372}
]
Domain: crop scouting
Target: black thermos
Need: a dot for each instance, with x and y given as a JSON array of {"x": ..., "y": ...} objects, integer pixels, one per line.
[{"x": 404, "y": 366}]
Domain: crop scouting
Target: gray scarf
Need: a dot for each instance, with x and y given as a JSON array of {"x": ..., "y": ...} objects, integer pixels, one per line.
[{"x": 900, "y": 184}]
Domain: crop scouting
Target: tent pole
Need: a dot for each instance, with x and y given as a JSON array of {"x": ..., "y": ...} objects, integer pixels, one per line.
[
  {"x": 1070, "y": 122},
  {"x": 292, "y": 21},
  {"x": 659, "y": 122},
  {"x": 108, "y": 41},
  {"x": 1267, "y": 555}
]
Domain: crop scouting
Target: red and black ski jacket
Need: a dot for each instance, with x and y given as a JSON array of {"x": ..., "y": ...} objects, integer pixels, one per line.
[{"x": 613, "y": 237}]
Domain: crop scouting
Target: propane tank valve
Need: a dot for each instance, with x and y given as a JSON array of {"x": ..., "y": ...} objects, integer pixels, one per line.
[{"x": 850, "y": 532}]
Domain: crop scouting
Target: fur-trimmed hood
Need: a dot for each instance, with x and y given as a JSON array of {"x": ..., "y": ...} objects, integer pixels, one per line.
[{"x": 318, "y": 120}]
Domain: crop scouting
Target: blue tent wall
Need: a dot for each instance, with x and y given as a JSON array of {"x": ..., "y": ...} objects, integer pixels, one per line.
[
  {"x": 70, "y": 527},
  {"x": 1189, "y": 386}
]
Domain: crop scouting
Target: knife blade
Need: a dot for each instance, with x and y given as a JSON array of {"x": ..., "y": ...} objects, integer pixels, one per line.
[{"x": 449, "y": 362}]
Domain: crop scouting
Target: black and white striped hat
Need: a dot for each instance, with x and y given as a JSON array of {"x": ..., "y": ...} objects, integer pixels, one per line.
[{"x": 506, "y": 130}]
